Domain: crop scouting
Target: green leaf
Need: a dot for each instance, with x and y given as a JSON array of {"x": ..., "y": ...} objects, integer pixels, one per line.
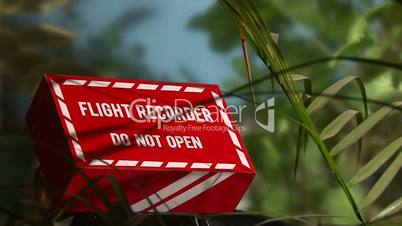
[
  {"x": 383, "y": 182},
  {"x": 332, "y": 90},
  {"x": 353, "y": 47},
  {"x": 298, "y": 77},
  {"x": 375, "y": 163},
  {"x": 390, "y": 209},
  {"x": 359, "y": 120},
  {"x": 358, "y": 30},
  {"x": 302, "y": 136},
  {"x": 363, "y": 128},
  {"x": 306, "y": 96},
  {"x": 337, "y": 124},
  {"x": 247, "y": 16}
]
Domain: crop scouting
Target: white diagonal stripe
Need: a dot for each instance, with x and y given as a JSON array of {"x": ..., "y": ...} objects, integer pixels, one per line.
[
  {"x": 101, "y": 162},
  {"x": 226, "y": 119},
  {"x": 176, "y": 164},
  {"x": 71, "y": 130},
  {"x": 147, "y": 86},
  {"x": 201, "y": 165},
  {"x": 191, "y": 89},
  {"x": 99, "y": 83},
  {"x": 126, "y": 85},
  {"x": 242, "y": 158},
  {"x": 218, "y": 100},
  {"x": 194, "y": 191},
  {"x": 167, "y": 191},
  {"x": 126, "y": 163},
  {"x": 74, "y": 82},
  {"x": 78, "y": 150},
  {"x": 234, "y": 138},
  {"x": 225, "y": 166},
  {"x": 64, "y": 109},
  {"x": 151, "y": 164},
  {"x": 170, "y": 88},
  {"x": 57, "y": 89}
]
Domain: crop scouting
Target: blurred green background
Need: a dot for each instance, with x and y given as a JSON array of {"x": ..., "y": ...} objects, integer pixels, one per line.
[{"x": 197, "y": 41}]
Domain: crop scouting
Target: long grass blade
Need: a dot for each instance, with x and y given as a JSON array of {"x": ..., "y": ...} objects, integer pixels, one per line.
[
  {"x": 390, "y": 209},
  {"x": 337, "y": 124},
  {"x": 245, "y": 12},
  {"x": 374, "y": 164},
  {"x": 301, "y": 145},
  {"x": 383, "y": 182},
  {"x": 248, "y": 64},
  {"x": 302, "y": 136},
  {"x": 321, "y": 101},
  {"x": 363, "y": 128}
]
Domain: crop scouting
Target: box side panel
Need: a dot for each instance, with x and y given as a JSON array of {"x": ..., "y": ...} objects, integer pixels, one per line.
[
  {"x": 137, "y": 186},
  {"x": 222, "y": 193},
  {"x": 49, "y": 142}
]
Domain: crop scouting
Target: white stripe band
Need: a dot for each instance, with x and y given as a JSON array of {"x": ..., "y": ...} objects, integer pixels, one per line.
[
  {"x": 101, "y": 162},
  {"x": 194, "y": 191},
  {"x": 74, "y": 82},
  {"x": 99, "y": 84},
  {"x": 201, "y": 165},
  {"x": 170, "y": 88},
  {"x": 234, "y": 138},
  {"x": 218, "y": 100},
  {"x": 71, "y": 129},
  {"x": 190, "y": 89},
  {"x": 167, "y": 191},
  {"x": 225, "y": 166},
  {"x": 78, "y": 150},
  {"x": 226, "y": 119},
  {"x": 242, "y": 158},
  {"x": 151, "y": 164},
  {"x": 64, "y": 109},
  {"x": 57, "y": 89},
  {"x": 126, "y": 85},
  {"x": 126, "y": 163},
  {"x": 176, "y": 164},
  {"x": 147, "y": 86}
]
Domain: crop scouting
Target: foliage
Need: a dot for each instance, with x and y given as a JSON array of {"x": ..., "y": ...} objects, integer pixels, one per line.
[
  {"x": 250, "y": 22},
  {"x": 359, "y": 140}
]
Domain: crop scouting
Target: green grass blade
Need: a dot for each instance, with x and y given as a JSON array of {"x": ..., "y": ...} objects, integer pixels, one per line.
[
  {"x": 321, "y": 101},
  {"x": 375, "y": 163},
  {"x": 363, "y": 93},
  {"x": 363, "y": 128},
  {"x": 359, "y": 120},
  {"x": 248, "y": 66},
  {"x": 302, "y": 136},
  {"x": 306, "y": 96},
  {"x": 390, "y": 209},
  {"x": 268, "y": 51},
  {"x": 383, "y": 182},
  {"x": 337, "y": 124},
  {"x": 92, "y": 184},
  {"x": 298, "y": 77}
]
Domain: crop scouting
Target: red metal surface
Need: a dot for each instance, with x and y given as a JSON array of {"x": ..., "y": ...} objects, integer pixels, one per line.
[{"x": 196, "y": 162}]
